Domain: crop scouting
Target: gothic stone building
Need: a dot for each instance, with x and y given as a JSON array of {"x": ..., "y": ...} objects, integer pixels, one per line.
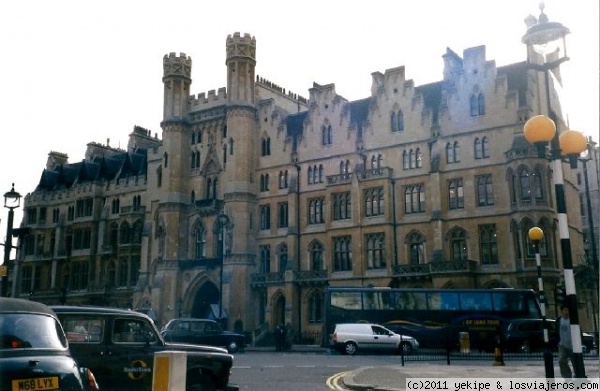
[{"x": 413, "y": 186}]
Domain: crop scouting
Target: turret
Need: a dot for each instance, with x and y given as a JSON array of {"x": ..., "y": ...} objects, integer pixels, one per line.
[
  {"x": 241, "y": 63},
  {"x": 176, "y": 79}
]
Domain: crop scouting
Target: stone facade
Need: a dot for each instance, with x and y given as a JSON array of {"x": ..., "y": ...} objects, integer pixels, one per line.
[{"x": 255, "y": 199}]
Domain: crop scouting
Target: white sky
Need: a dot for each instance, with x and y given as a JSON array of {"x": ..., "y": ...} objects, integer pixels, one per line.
[{"x": 76, "y": 71}]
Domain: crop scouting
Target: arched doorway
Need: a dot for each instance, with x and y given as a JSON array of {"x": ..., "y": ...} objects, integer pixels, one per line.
[
  {"x": 205, "y": 296},
  {"x": 278, "y": 310}
]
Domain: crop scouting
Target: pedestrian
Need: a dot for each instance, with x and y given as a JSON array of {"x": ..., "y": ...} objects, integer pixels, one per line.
[
  {"x": 279, "y": 337},
  {"x": 565, "y": 344}
]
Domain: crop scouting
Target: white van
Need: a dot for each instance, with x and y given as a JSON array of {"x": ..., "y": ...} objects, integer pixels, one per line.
[{"x": 350, "y": 337}]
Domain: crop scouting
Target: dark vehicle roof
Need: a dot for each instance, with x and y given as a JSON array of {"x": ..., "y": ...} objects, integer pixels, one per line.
[
  {"x": 98, "y": 310},
  {"x": 8, "y": 304}
]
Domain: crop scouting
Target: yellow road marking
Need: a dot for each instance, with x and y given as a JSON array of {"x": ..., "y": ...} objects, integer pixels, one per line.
[{"x": 333, "y": 381}]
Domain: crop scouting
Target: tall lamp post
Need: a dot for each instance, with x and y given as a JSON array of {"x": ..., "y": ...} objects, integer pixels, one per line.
[
  {"x": 547, "y": 39},
  {"x": 12, "y": 200},
  {"x": 592, "y": 236},
  {"x": 223, "y": 220},
  {"x": 535, "y": 235}
]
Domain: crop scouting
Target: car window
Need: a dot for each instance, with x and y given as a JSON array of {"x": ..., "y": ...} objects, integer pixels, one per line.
[
  {"x": 33, "y": 331},
  {"x": 133, "y": 330},
  {"x": 379, "y": 330},
  {"x": 182, "y": 326},
  {"x": 83, "y": 328},
  {"x": 211, "y": 327}
]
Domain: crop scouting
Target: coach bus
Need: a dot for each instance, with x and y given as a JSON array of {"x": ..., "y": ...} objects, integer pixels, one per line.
[{"x": 435, "y": 317}]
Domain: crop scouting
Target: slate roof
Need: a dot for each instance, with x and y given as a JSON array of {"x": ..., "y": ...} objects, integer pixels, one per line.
[{"x": 102, "y": 168}]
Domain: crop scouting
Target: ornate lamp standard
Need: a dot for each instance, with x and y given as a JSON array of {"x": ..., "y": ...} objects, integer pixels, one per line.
[
  {"x": 535, "y": 235},
  {"x": 12, "y": 200},
  {"x": 546, "y": 50}
]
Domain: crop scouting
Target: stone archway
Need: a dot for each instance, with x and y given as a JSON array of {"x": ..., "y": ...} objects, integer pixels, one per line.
[
  {"x": 206, "y": 295},
  {"x": 278, "y": 314}
]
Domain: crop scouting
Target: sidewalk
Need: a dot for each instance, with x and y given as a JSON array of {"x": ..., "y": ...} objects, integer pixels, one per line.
[{"x": 393, "y": 378}]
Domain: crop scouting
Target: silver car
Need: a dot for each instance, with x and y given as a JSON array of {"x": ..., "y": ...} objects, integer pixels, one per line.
[{"x": 348, "y": 338}]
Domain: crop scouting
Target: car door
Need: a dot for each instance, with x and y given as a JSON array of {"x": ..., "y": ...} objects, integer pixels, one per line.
[
  {"x": 383, "y": 339},
  {"x": 130, "y": 352}
]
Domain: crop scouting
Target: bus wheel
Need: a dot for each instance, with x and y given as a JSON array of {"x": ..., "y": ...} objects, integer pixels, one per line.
[
  {"x": 405, "y": 347},
  {"x": 350, "y": 348}
]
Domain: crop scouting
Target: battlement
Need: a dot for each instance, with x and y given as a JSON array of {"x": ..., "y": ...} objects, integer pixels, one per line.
[
  {"x": 237, "y": 38},
  {"x": 177, "y": 65},
  {"x": 276, "y": 88},
  {"x": 241, "y": 47},
  {"x": 210, "y": 99}
]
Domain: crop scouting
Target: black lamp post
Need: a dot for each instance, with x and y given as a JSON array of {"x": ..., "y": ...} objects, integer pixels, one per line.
[
  {"x": 546, "y": 50},
  {"x": 12, "y": 200},
  {"x": 535, "y": 235},
  {"x": 593, "y": 260},
  {"x": 223, "y": 220}
]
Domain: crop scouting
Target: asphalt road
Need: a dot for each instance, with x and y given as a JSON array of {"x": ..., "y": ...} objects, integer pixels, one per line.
[{"x": 292, "y": 371}]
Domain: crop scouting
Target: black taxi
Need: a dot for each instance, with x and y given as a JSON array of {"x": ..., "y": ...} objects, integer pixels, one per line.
[
  {"x": 34, "y": 352},
  {"x": 118, "y": 345}
]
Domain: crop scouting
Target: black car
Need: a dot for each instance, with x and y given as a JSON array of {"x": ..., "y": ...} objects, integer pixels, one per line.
[
  {"x": 119, "y": 345},
  {"x": 203, "y": 332},
  {"x": 34, "y": 351},
  {"x": 527, "y": 335}
]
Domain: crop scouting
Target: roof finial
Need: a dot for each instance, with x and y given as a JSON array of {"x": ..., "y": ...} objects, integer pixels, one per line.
[{"x": 543, "y": 17}]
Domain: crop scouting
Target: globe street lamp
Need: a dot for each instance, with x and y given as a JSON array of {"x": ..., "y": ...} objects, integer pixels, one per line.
[
  {"x": 535, "y": 235},
  {"x": 546, "y": 50},
  {"x": 12, "y": 200}
]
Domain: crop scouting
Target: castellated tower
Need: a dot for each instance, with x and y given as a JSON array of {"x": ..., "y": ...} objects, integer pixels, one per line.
[
  {"x": 175, "y": 159},
  {"x": 238, "y": 187}
]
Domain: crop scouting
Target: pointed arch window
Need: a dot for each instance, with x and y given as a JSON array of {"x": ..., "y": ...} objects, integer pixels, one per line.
[
  {"x": 488, "y": 244},
  {"x": 282, "y": 255},
  {"x": 405, "y": 160},
  {"x": 485, "y": 143},
  {"x": 316, "y": 256},
  {"x": 200, "y": 242},
  {"x": 309, "y": 175},
  {"x": 416, "y": 248},
  {"x": 414, "y": 199},
  {"x": 327, "y": 135},
  {"x": 449, "y": 153},
  {"x": 477, "y": 104},
  {"x": 342, "y": 253},
  {"x": 265, "y": 259},
  {"x": 397, "y": 121},
  {"x": 458, "y": 245},
  {"x": 478, "y": 148},
  {"x": 320, "y": 177},
  {"x": 419, "y": 157},
  {"x": 315, "y": 307},
  {"x": 375, "y": 251},
  {"x": 456, "y": 197}
]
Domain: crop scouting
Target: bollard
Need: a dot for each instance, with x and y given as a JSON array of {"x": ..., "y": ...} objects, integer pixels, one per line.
[
  {"x": 498, "y": 357},
  {"x": 465, "y": 343},
  {"x": 169, "y": 371}
]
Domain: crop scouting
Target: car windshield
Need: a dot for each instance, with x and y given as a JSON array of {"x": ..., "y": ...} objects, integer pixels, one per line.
[{"x": 30, "y": 331}]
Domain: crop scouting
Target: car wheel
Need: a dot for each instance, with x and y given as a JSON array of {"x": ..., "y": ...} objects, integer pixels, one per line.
[
  {"x": 233, "y": 347},
  {"x": 350, "y": 348},
  {"x": 405, "y": 347}
]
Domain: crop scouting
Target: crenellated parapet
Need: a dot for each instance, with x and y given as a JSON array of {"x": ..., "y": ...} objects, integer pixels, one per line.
[
  {"x": 178, "y": 66},
  {"x": 241, "y": 47},
  {"x": 261, "y": 81},
  {"x": 208, "y": 100}
]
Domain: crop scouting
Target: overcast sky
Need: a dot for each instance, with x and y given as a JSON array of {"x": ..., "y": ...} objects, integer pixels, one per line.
[{"x": 77, "y": 71}]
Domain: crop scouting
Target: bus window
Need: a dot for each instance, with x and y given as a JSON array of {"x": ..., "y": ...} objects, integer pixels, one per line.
[
  {"x": 377, "y": 301},
  {"x": 346, "y": 300},
  {"x": 475, "y": 301},
  {"x": 410, "y": 301},
  {"x": 447, "y": 301}
]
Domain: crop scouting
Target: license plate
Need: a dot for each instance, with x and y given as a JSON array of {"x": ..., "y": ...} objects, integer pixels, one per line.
[{"x": 39, "y": 383}]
